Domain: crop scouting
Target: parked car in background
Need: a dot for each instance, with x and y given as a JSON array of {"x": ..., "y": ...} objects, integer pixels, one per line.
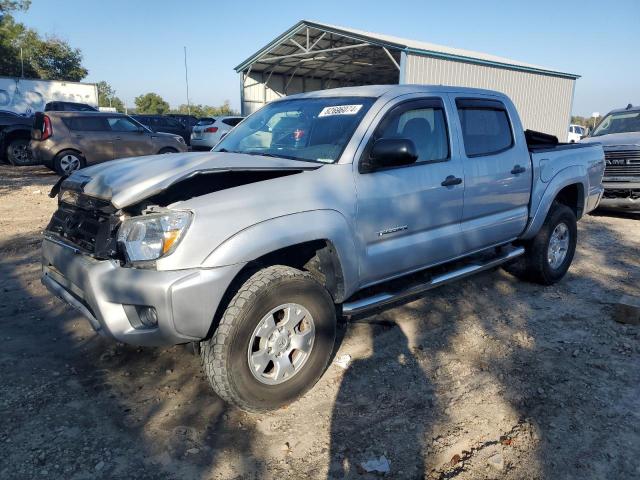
[
  {"x": 68, "y": 141},
  {"x": 166, "y": 124},
  {"x": 15, "y": 132},
  {"x": 188, "y": 121},
  {"x": 619, "y": 134},
  {"x": 334, "y": 202},
  {"x": 69, "y": 107},
  {"x": 576, "y": 132},
  {"x": 209, "y": 130}
]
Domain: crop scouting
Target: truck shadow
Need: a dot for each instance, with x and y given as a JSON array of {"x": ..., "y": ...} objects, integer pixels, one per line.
[{"x": 499, "y": 378}]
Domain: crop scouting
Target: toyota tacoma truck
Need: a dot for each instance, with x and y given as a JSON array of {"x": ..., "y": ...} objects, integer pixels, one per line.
[
  {"x": 619, "y": 134},
  {"x": 319, "y": 206}
]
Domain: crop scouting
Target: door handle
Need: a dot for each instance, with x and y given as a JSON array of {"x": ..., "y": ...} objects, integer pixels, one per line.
[
  {"x": 451, "y": 181},
  {"x": 518, "y": 169}
]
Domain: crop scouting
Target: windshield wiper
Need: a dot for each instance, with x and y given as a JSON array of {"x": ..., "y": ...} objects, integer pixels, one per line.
[{"x": 273, "y": 155}]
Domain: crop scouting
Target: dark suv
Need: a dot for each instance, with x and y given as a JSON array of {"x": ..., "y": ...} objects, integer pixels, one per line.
[
  {"x": 15, "y": 131},
  {"x": 69, "y": 107},
  {"x": 162, "y": 123}
]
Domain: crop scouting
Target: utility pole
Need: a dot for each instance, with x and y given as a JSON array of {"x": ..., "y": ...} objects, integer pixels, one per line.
[
  {"x": 21, "y": 62},
  {"x": 186, "y": 80}
]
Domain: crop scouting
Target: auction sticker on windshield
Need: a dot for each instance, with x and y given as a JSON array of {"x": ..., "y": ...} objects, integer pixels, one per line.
[{"x": 340, "y": 110}]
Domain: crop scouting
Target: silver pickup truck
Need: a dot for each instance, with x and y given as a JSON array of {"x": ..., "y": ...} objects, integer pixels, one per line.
[{"x": 322, "y": 205}]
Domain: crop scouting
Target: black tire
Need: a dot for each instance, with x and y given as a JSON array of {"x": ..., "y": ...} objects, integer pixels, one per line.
[
  {"x": 61, "y": 160},
  {"x": 535, "y": 265},
  {"x": 225, "y": 357},
  {"x": 19, "y": 153},
  {"x": 167, "y": 150}
]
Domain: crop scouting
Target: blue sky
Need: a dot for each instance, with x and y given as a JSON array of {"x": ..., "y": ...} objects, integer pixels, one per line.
[{"x": 137, "y": 46}]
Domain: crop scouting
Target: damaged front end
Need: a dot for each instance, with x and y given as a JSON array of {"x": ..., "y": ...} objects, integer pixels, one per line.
[
  {"x": 99, "y": 229},
  {"x": 86, "y": 223}
]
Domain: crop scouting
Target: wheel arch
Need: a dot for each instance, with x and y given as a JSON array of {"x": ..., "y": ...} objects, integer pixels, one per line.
[
  {"x": 567, "y": 187},
  {"x": 317, "y": 241}
]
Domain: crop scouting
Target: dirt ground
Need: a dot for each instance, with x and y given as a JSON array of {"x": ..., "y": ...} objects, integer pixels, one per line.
[{"x": 486, "y": 378}]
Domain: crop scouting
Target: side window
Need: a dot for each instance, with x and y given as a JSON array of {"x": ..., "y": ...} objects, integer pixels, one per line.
[
  {"x": 122, "y": 124},
  {"x": 171, "y": 122},
  {"x": 232, "y": 121},
  {"x": 422, "y": 122},
  {"x": 88, "y": 124},
  {"x": 486, "y": 129}
]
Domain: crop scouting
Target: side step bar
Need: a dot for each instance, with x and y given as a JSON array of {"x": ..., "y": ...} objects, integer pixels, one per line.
[{"x": 378, "y": 300}]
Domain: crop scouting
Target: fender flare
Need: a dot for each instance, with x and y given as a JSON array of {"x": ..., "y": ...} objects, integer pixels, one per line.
[
  {"x": 572, "y": 175},
  {"x": 280, "y": 232}
]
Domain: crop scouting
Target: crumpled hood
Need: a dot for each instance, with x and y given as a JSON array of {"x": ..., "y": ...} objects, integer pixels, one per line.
[
  {"x": 127, "y": 181},
  {"x": 631, "y": 139}
]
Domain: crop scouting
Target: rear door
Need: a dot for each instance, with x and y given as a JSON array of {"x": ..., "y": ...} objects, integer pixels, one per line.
[
  {"x": 92, "y": 136},
  {"x": 407, "y": 219},
  {"x": 497, "y": 172},
  {"x": 129, "y": 139}
]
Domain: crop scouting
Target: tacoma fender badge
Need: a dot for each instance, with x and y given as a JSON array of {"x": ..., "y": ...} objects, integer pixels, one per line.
[{"x": 387, "y": 231}]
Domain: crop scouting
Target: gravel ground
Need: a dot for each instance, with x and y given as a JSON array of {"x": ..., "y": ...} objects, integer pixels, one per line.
[{"x": 485, "y": 378}]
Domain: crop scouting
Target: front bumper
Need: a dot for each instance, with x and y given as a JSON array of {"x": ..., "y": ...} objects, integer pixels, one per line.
[
  {"x": 621, "y": 195},
  {"x": 108, "y": 294}
]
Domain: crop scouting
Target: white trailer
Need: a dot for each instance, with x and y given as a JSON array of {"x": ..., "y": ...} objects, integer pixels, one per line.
[{"x": 26, "y": 96}]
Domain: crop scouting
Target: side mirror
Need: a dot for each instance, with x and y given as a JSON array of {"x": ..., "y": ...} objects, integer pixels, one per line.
[{"x": 391, "y": 152}]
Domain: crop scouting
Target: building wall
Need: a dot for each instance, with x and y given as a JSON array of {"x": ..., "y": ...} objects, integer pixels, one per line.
[
  {"x": 255, "y": 93},
  {"x": 543, "y": 101}
]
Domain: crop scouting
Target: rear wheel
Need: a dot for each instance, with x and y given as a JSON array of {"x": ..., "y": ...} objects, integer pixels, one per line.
[
  {"x": 19, "y": 153},
  {"x": 550, "y": 253},
  {"x": 67, "y": 162},
  {"x": 274, "y": 340}
]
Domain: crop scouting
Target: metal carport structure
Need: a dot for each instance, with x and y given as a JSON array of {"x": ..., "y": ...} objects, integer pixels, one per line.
[{"x": 314, "y": 56}]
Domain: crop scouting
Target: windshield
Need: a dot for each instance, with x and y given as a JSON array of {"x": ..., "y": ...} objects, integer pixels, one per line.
[
  {"x": 311, "y": 129},
  {"x": 622, "y": 122}
]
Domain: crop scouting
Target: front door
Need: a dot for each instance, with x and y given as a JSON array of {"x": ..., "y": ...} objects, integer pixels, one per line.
[
  {"x": 407, "y": 219},
  {"x": 129, "y": 139},
  {"x": 497, "y": 171}
]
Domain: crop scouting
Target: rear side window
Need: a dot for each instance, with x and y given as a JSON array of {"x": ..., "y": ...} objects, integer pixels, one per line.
[
  {"x": 486, "y": 129},
  {"x": 232, "y": 121},
  {"x": 87, "y": 124},
  {"x": 206, "y": 121}
]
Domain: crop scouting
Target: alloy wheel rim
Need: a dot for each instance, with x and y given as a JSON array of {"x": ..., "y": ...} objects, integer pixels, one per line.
[
  {"x": 558, "y": 245},
  {"x": 281, "y": 344},
  {"x": 21, "y": 153},
  {"x": 69, "y": 163}
]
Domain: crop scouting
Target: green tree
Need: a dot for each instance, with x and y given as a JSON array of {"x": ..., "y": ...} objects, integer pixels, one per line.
[
  {"x": 13, "y": 5},
  {"x": 151, "y": 103},
  {"x": 107, "y": 97},
  {"x": 207, "y": 110},
  {"x": 22, "y": 50}
]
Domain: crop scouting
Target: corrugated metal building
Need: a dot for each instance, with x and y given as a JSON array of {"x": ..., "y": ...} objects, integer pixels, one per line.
[{"x": 313, "y": 56}]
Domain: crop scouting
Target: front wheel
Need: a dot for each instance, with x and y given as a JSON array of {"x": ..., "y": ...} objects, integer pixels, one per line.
[
  {"x": 67, "y": 162},
  {"x": 274, "y": 340},
  {"x": 167, "y": 150},
  {"x": 549, "y": 254}
]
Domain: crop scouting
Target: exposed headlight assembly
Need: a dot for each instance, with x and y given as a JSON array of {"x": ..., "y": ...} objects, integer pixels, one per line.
[{"x": 149, "y": 237}]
